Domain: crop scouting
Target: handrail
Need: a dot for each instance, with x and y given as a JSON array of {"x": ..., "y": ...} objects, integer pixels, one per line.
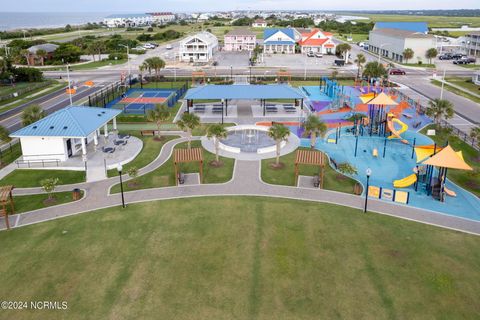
[{"x": 42, "y": 161}]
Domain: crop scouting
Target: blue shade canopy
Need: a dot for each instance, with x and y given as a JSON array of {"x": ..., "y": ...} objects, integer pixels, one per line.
[
  {"x": 73, "y": 122},
  {"x": 407, "y": 26},
  {"x": 244, "y": 92}
]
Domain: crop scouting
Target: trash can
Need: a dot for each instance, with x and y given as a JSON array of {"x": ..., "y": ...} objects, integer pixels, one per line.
[{"x": 76, "y": 194}]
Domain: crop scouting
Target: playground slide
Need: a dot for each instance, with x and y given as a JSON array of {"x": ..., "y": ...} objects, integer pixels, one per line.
[
  {"x": 396, "y": 133},
  {"x": 405, "y": 182},
  {"x": 449, "y": 192}
]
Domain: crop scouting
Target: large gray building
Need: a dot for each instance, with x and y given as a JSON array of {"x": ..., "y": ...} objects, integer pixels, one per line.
[
  {"x": 390, "y": 43},
  {"x": 471, "y": 45}
]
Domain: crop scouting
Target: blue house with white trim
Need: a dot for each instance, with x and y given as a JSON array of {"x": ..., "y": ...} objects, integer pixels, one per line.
[
  {"x": 420, "y": 27},
  {"x": 65, "y": 133},
  {"x": 280, "y": 40}
]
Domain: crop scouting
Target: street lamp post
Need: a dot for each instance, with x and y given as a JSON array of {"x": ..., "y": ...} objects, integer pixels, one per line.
[
  {"x": 69, "y": 85},
  {"x": 128, "y": 62},
  {"x": 443, "y": 83},
  {"x": 231, "y": 73},
  {"x": 119, "y": 168},
  {"x": 368, "y": 173}
]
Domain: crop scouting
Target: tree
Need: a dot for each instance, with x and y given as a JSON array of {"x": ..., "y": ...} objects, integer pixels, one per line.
[
  {"x": 374, "y": 70},
  {"x": 360, "y": 60},
  {"x": 25, "y": 53},
  {"x": 49, "y": 186},
  {"x": 344, "y": 49},
  {"x": 132, "y": 172},
  {"x": 42, "y": 54},
  {"x": 314, "y": 127},
  {"x": 32, "y": 114},
  {"x": 438, "y": 109},
  {"x": 156, "y": 64},
  {"x": 216, "y": 131},
  {"x": 408, "y": 54},
  {"x": 474, "y": 134},
  {"x": 431, "y": 54},
  {"x": 347, "y": 169},
  {"x": 158, "y": 115},
  {"x": 279, "y": 133},
  {"x": 68, "y": 53},
  {"x": 187, "y": 123}
]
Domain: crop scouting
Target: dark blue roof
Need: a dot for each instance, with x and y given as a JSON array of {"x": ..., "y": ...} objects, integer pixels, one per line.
[
  {"x": 407, "y": 26},
  {"x": 244, "y": 92}
]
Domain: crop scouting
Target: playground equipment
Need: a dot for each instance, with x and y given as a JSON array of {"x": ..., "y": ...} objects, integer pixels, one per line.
[
  {"x": 337, "y": 93},
  {"x": 375, "y": 152},
  {"x": 391, "y": 119},
  {"x": 405, "y": 182}
]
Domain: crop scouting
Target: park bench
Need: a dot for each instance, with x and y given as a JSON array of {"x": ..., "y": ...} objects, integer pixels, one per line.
[
  {"x": 316, "y": 181},
  {"x": 181, "y": 178},
  {"x": 148, "y": 132}
]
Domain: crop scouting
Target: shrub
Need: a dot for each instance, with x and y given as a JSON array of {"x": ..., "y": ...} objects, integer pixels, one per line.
[
  {"x": 24, "y": 74},
  {"x": 347, "y": 169},
  {"x": 118, "y": 55},
  {"x": 132, "y": 172},
  {"x": 49, "y": 186}
]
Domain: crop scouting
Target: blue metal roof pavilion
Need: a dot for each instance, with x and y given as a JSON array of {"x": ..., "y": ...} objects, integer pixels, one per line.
[
  {"x": 244, "y": 92},
  {"x": 70, "y": 122}
]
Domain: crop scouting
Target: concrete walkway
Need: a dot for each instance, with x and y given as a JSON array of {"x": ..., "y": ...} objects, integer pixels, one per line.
[{"x": 245, "y": 182}]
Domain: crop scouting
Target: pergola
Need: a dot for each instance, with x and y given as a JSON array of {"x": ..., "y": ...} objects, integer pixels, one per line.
[
  {"x": 5, "y": 199},
  {"x": 198, "y": 74},
  {"x": 188, "y": 155},
  {"x": 243, "y": 92},
  {"x": 284, "y": 75},
  {"x": 312, "y": 158}
]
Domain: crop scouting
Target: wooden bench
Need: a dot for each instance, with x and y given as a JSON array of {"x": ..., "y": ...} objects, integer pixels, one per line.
[
  {"x": 148, "y": 132},
  {"x": 181, "y": 178},
  {"x": 316, "y": 181}
]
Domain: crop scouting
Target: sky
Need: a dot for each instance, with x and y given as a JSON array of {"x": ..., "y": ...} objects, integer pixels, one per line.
[{"x": 139, "y": 6}]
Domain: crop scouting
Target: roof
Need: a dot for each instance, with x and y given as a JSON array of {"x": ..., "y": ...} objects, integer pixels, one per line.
[
  {"x": 73, "y": 121},
  {"x": 400, "y": 25},
  {"x": 289, "y": 32},
  {"x": 311, "y": 157},
  {"x": 204, "y": 36},
  {"x": 245, "y": 92},
  {"x": 48, "y": 47},
  {"x": 188, "y": 155},
  {"x": 448, "y": 158},
  {"x": 397, "y": 33},
  {"x": 127, "y": 16},
  {"x": 382, "y": 99},
  {"x": 240, "y": 32}
]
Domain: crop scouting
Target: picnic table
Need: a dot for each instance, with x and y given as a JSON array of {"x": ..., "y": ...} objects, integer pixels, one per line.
[
  {"x": 6, "y": 198},
  {"x": 108, "y": 150}
]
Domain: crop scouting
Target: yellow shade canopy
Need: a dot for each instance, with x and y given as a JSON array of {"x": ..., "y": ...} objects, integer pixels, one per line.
[
  {"x": 366, "y": 97},
  {"x": 423, "y": 152},
  {"x": 382, "y": 99},
  {"x": 448, "y": 158}
]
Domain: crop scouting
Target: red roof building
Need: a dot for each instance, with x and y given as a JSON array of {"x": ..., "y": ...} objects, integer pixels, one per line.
[{"x": 317, "y": 41}]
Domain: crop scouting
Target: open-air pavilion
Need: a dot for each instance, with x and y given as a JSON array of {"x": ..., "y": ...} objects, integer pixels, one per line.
[
  {"x": 225, "y": 93},
  {"x": 185, "y": 156},
  {"x": 310, "y": 158}
]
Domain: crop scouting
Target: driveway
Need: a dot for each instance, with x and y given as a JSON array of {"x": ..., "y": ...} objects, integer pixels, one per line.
[{"x": 233, "y": 59}]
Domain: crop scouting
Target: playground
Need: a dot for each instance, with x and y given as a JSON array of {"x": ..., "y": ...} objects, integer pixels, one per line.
[{"x": 138, "y": 101}]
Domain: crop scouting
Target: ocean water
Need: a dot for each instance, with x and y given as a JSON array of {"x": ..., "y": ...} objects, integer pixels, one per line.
[{"x": 19, "y": 20}]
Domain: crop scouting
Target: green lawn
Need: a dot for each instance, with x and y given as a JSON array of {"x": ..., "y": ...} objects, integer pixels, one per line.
[
  {"x": 456, "y": 91},
  {"x": 240, "y": 258},
  {"x": 29, "y": 178},
  {"x": 29, "y": 96},
  {"x": 98, "y": 64},
  {"x": 470, "y": 66},
  {"x": 433, "y": 21},
  {"x": 465, "y": 83},
  {"x": 286, "y": 176},
  {"x": 150, "y": 151},
  {"x": 37, "y": 201},
  {"x": 10, "y": 155},
  {"x": 466, "y": 179},
  {"x": 420, "y": 65},
  {"x": 356, "y": 37},
  {"x": 164, "y": 176}
]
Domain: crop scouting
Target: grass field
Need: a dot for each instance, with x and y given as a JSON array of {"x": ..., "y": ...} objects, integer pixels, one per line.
[
  {"x": 164, "y": 176},
  {"x": 240, "y": 258},
  {"x": 27, "y": 97},
  {"x": 356, "y": 37},
  {"x": 37, "y": 201},
  {"x": 286, "y": 176},
  {"x": 98, "y": 64},
  {"x": 466, "y": 179},
  {"x": 30, "y": 178},
  {"x": 433, "y": 21}
]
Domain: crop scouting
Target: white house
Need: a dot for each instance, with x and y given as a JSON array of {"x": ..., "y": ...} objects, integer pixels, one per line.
[
  {"x": 259, "y": 23},
  {"x": 198, "y": 47},
  {"x": 162, "y": 17},
  {"x": 128, "y": 20},
  {"x": 317, "y": 41},
  {"x": 65, "y": 133},
  {"x": 390, "y": 43},
  {"x": 476, "y": 78}
]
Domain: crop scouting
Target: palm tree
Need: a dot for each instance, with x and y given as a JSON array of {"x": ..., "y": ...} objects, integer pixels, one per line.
[
  {"x": 42, "y": 54},
  {"x": 188, "y": 122},
  {"x": 344, "y": 49},
  {"x": 408, "y": 54},
  {"x": 32, "y": 114},
  {"x": 438, "y": 109},
  {"x": 475, "y": 135},
  {"x": 216, "y": 131},
  {"x": 156, "y": 64},
  {"x": 360, "y": 61},
  {"x": 430, "y": 54},
  {"x": 374, "y": 70},
  {"x": 141, "y": 69},
  {"x": 314, "y": 127},
  {"x": 279, "y": 133},
  {"x": 91, "y": 50},
  {"x": 158, "y": 115},
  {"x": 25, "y": 53}
]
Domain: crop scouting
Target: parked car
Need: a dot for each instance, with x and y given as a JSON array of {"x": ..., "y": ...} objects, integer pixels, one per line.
[
  {"x": 318, "y": 55},
  {"x": 458, "y": 56},
  {"x": 339, "y": 62},
  {"x": 169, "y": 47},
  {"x": 310, "y": 54},
  {"x": 465, "y": 60},
  {"x": 148, "y": 46},
  {"x": 397, "y": 71},
  {"x": 445, "y": 56}
]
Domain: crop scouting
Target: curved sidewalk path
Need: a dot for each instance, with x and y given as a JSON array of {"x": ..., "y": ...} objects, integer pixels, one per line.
[{"x": 246, "y": 181}]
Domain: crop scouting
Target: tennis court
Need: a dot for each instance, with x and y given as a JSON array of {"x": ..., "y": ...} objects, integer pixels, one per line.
[{"x": 138, "y": 101}]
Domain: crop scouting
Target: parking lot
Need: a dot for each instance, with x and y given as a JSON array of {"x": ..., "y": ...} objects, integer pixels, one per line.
[
  {"x": 233, "y": 59},
  {"x": 298, "y": 61}
]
